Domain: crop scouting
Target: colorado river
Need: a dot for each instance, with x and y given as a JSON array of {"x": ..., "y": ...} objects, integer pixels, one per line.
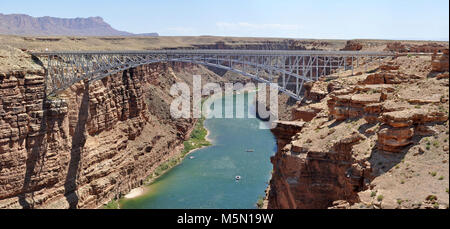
[{"x": 208, "y": 180}]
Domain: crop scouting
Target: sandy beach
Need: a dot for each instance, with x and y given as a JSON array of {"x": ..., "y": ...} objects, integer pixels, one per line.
[{"x": 135, "y": 193}]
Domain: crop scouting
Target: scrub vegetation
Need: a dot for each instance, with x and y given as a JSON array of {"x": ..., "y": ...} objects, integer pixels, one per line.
[{"x": 197, "y": 140}]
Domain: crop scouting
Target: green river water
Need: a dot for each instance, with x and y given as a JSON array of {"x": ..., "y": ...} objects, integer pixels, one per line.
[{"x": 208, "y": 181}]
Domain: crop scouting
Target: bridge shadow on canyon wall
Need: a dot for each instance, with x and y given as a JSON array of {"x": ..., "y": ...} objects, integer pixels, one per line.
[
  {"x": 36, "y": 156},
  {"x": 38, "y": 146},
  {"x": 78, "y": 141}
]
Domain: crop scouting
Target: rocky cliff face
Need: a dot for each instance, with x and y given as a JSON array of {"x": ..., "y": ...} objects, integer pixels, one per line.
[
  {"x": 352, "y": 46},
  {"x": 417, "y": 48},
  {"x": 361, "y": 141},
  {"x": 312, "y": 173},
  {"x": 91, "y": 144}
]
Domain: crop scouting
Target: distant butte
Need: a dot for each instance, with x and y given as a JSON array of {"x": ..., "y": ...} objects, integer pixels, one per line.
[{"x": 21, "y": 24}]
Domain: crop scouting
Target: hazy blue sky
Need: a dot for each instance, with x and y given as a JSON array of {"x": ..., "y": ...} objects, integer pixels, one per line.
[{"x": 342, "y": 19}]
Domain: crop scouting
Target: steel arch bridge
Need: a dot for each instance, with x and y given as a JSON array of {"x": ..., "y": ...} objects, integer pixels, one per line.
[{"x": 288, "y": 69}]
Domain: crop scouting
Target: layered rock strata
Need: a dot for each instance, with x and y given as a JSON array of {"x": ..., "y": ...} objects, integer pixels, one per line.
[
  {"x": 360, "y": 134},
  {"x": 88, "y": 145}
]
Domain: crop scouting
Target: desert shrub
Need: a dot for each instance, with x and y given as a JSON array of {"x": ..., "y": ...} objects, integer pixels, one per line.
[
  {"x": 373, "y": 194},
  {"x": 260, "y": 203},
  {"x": 380, "y": 198}
]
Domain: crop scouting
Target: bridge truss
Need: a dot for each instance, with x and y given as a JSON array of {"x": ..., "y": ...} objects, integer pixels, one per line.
[{"x": 288, "y": 69}]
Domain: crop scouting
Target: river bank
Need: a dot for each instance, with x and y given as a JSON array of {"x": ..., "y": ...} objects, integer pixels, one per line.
[{"x": 198, "y": 139}]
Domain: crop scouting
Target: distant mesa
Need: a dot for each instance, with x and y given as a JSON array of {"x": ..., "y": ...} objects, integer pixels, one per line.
[{"x": 21, "y": 24}]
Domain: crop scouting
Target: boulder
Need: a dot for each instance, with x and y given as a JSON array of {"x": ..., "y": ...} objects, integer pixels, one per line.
[
  {"x": 440, "y": 63},
  {"x": 394, "y": 139}
]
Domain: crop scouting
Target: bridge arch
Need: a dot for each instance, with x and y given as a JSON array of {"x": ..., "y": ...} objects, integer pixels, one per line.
[{"x": 288, "y": 69}]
